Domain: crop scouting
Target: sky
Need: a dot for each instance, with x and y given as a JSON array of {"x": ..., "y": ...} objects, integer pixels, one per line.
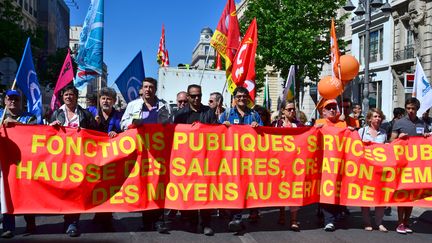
[{"x": 134, "y": 25}]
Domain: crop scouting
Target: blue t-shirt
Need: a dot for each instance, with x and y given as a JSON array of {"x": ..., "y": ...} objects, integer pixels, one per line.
[{"x": 234, "y": 117}]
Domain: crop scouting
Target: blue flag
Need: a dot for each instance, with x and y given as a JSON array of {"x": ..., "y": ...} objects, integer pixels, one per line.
[
  {"x": 27, "y": 81},
  {"x": 130, "y": 80},
  {"x": 90, "y": 49}
]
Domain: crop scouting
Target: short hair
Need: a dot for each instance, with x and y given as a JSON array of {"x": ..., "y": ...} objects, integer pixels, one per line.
[
  {"x": 107, "y": 91},
  {"x": 414, "y": 101},
  {"x": 240, "y": 89},
  {"x": 181, "y": 92},
  {"x": 398, "y": 112},
  {"x": 150, "y": 80},
  {"x": 356, "y": 104},
  {"x": 219, "y": 97},
  {"x": 69, "y": 87},
  {"x": 370, "y": 113},
  {"x": 192, "y": 86}
]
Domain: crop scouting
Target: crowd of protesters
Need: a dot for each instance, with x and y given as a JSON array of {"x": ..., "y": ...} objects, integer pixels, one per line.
[{"x": 148, "y": 109}]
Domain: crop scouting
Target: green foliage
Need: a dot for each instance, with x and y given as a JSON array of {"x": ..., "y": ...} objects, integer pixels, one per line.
[{"x": 292, "y": 32}]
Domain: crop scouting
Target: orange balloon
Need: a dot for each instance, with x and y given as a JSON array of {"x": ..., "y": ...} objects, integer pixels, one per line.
[
  {"x": 349, "y": 68},
  {"x": 330, "y": 87}
]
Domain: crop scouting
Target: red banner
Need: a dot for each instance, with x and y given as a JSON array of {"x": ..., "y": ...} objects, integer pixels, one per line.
[{"x": 207, "y": 166}]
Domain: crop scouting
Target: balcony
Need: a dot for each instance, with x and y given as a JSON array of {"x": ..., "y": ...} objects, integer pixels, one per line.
[{"x": 406, "y": 53}]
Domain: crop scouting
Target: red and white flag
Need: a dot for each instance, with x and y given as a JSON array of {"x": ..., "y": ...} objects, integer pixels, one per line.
[
  {"x": 226, "y": 39},
  {"x": 243, "y": 69},
  {"x": 334, "y": 47},
  {"x": 65, "y": 77},
  {"x": 162, "y": 54}
]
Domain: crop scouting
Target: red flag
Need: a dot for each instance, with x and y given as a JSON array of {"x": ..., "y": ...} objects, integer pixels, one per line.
[
  {"x": 162, "y": 54},
  {"x": 218, "y": 62},
  {"x": 226, "y": 38},
  {"x": 335, "y": 56},
  {"x": 243, "y": 69},
  {"x": 66, "y": 76}
]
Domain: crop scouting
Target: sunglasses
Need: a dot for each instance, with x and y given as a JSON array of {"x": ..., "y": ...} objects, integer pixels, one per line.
[
  {"x": 211, "y": 101},
  {"x": 331, "y": 108},
  {"x": 193, "y": 96},
  {"x": 14, "y": 98},
  {"x": 290, "y": 109},
  {"x": 182, "y": 101}
]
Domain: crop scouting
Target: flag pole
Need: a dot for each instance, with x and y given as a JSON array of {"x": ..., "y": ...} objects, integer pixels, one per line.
[
  {"x": 205, "y": 64},
  {"x": 4, "y": 110},
  {"x": 99, "y": 81}
]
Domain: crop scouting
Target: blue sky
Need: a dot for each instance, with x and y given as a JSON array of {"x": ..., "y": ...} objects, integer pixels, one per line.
[{"x": 134, "y": 25}]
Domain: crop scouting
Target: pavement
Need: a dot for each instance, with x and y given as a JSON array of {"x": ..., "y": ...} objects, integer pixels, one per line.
[{"x": 127, "y": 228}]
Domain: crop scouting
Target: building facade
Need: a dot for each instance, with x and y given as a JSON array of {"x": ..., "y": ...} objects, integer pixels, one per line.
[
  {"x": 53, "y": 18},
  {"x": 203, "y": 55},
  {"x": 412, "y": 38}
]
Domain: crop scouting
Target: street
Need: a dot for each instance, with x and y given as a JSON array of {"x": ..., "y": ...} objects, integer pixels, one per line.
[{"x": 127, "y": 229}]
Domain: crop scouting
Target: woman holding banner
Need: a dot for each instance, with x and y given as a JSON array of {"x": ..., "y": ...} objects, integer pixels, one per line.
[
  {"x": 70, "y": 114},
  {"x": 289, "y": 119},
  {"x": 373, "y": 133}
]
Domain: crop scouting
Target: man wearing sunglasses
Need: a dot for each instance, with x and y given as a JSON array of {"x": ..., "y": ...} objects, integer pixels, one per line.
[
  {"x": 330, "y": 114},
  {"x": 193, "y": 112},
  {"x": 181, "y": 99}
]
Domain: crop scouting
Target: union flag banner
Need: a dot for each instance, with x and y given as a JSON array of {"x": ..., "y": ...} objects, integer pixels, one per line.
[
  {"x": 334, "y": 47},
  {"x": 226, "y": 38},
  {"x": 162, "y": 54},
  {"x": 243, "y": 69},
  {"x": 64, "y": 170},
  {"x": 65, "y": 77}
]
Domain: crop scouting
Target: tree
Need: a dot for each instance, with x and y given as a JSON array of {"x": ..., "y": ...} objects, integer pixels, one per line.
[
  {"x": 12, "y": 37},
  {"x": 292, "y": 32}
]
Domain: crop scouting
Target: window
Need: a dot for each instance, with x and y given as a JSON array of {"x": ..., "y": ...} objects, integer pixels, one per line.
[
  {"x": 375, "y": 94},
  {"x": 206, "y": 49},
  {"x": 376, "y": 40},
  {"x": 410, "y": 38}
]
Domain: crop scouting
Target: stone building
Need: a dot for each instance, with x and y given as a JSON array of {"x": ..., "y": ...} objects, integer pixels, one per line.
[
  {"x": 203, "y": 55},
  {"x": 412, "y": 34}
]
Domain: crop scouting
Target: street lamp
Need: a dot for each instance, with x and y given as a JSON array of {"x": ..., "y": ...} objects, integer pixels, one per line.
[{"x": 365, "y": 8}]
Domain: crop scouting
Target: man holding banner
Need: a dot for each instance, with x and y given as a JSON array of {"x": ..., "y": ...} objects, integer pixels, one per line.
[
  {"x": 14, "y": 114},
  {"x": 410, "y": 125},
  {"x": 148, "y": 109}
]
